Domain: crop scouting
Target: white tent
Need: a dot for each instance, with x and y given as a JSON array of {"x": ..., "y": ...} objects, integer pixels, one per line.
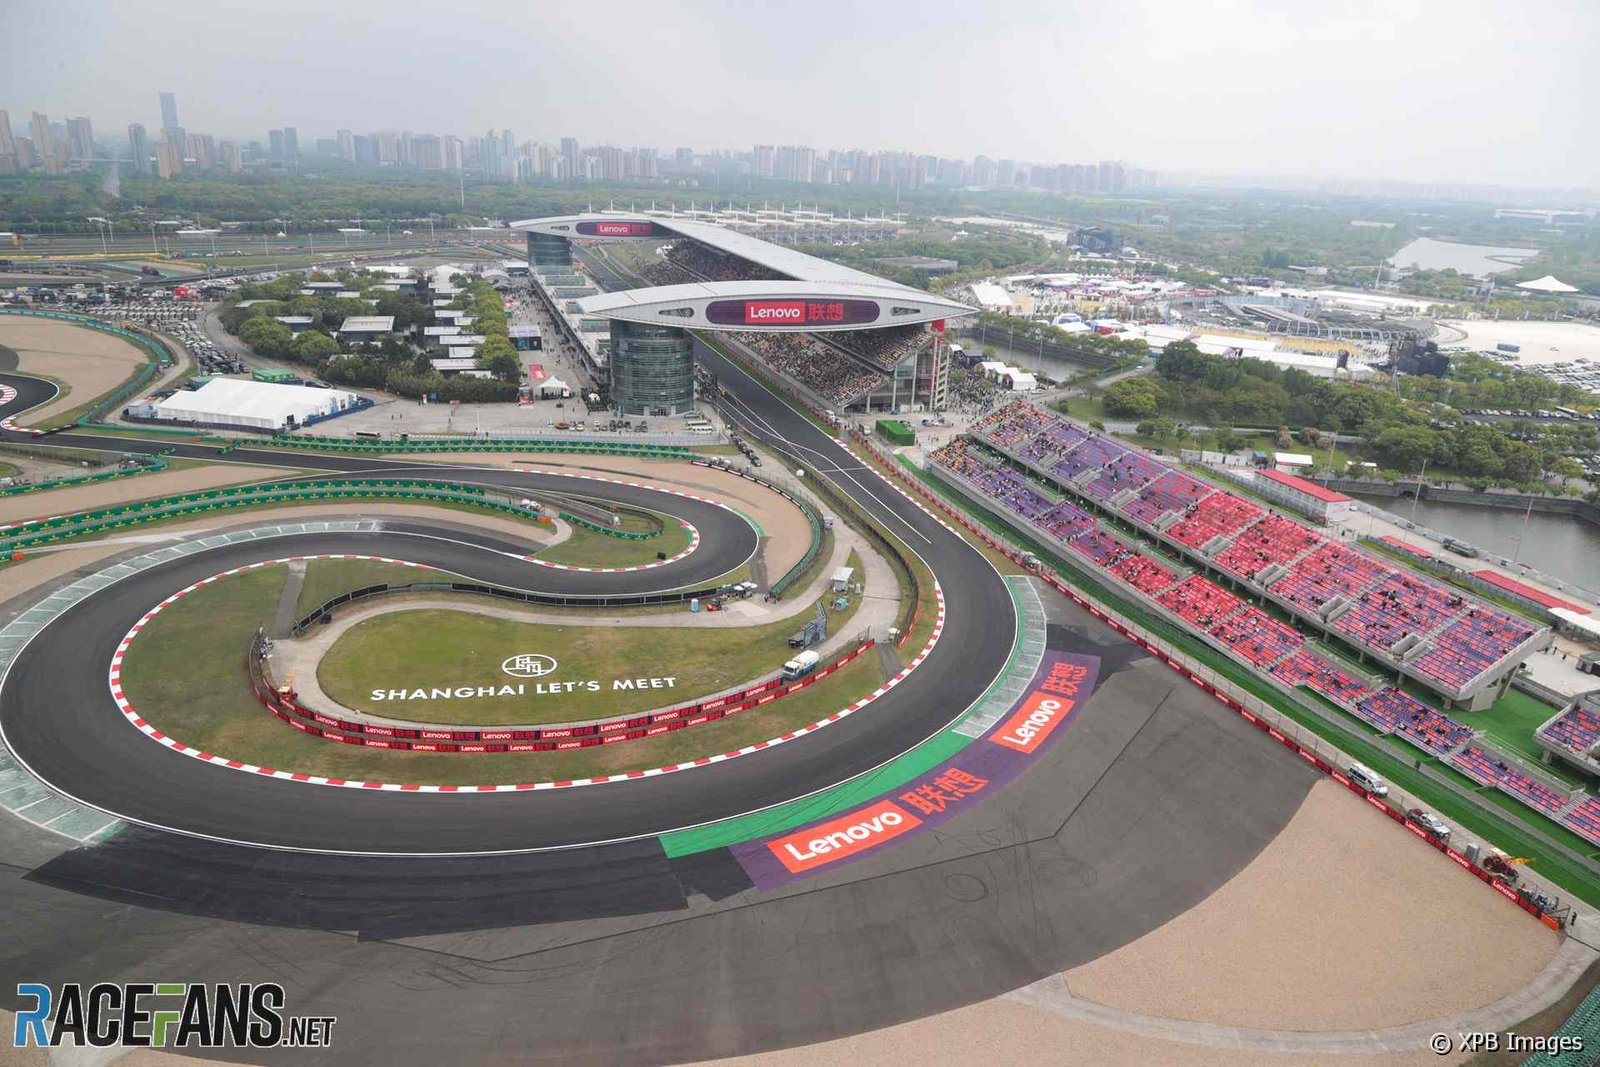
[
  {"x": 235, "y": 402},
  {"x": 1548, "y": 284},
  {"x": 991, "y": 296},
  {"x": 554, "y": 387}
]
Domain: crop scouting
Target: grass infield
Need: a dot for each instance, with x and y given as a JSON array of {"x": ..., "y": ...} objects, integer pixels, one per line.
[
  {"x": 185, "y": 675},
  {"x": 599, "y": 668},
  {"x": 589, "y": 548}
]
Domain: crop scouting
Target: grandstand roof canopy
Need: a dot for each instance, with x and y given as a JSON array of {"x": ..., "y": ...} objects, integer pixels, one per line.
[{"x": 821, "y": 296}]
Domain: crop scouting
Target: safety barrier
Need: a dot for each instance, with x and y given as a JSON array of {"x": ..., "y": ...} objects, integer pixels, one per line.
[
  {"x": 1259, "y": 714},
  {"x": 37, "y": 532},
  {"x": 906, "y": 619},
  {"x": 286, "y": 706},
  {"x": 155, "y": 466},
  {"x": 1574, "y": 1041},
  {"x": 782, "y": 585},
  {"x": 480, "y": 444},
  {"x": 609, "y": 531},
  {"x": 147, "y": 373}
]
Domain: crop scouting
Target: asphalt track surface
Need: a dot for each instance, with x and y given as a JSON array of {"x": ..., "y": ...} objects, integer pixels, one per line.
[{"x": 60, "y": 721}]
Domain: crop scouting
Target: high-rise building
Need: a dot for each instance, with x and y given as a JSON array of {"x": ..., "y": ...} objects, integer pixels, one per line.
[
  {"x": 9, "y": 164},
  {"x": 44, "y": 144},
  {"x": 169, "y": 159},
  {"x": 430, "y": 153},
  {"x": 291, "y": 148},
  {"x": 275, "y": 145},
  {"x": 169, "y": 111},
  {"x": 346, "y": 145},
  {"x": 454, "y": 156},
  {"x": 231, "y": 161},
  {"x": 80, "y": 139},
  {"x": 139, "y": 147},
  {"x": 764, "y": 161},
  {"x": 178, "y": 137},
  {"x": 569, "y": 158}
]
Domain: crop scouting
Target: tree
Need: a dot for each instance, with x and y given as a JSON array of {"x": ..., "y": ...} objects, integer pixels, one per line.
[
  {"x": 1133, "y": 398},
  {"x": 1228, "y": 439},
  {"x": 1567, "y": 468},
  {"x": 1406, "y": 447},
  {"x": 1480, "y": 460},
  {"x": 497, "y": 356},
  {"x": 313, "y": 346},
  {"x": 1522, "y": 462},
  {"x": 1160, "y": 429},
  {"x": 268, "y": 338}
]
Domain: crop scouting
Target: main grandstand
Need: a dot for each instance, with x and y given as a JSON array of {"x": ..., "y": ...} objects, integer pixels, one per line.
[{"x": 842, "y": 336}]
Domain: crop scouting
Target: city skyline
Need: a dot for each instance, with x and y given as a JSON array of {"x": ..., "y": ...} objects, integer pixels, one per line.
[
  {"x": 502, "y": 156},
  {"x": 1246, "y": 90}
]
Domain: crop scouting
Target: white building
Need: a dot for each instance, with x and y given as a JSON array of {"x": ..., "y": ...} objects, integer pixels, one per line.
[
  {"x": 258, "y": 405},
  {"x": 1304, "y": 496}
]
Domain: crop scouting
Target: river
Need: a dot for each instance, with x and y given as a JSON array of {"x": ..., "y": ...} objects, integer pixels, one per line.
[{"x": 1562, "y": 546}]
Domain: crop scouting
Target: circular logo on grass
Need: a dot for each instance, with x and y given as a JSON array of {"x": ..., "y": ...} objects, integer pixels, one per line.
[{"x": 529, "y": 665}]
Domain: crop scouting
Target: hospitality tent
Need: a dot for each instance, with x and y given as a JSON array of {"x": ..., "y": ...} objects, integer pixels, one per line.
[{"x": 262, "y": 405}]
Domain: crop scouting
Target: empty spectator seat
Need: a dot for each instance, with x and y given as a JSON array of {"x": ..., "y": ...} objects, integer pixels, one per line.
[
  {"x": 1199, "y": 602},
  {"x": 1217, "y": 515}
]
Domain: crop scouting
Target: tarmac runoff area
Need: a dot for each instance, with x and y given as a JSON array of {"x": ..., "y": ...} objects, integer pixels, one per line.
[
  {"x": 87, "y": 362},
  {"x": 1334, "y": 942}
]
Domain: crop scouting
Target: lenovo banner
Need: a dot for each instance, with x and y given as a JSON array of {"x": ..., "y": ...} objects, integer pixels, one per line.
[
  {"x": 619, "y": 228},
  {"x": 796, "y": 312},
  {"x": 1062, "y": 684}
]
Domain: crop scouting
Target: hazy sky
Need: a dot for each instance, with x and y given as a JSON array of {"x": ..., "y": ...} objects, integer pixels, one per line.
[{"x": 1450, "y": 90}]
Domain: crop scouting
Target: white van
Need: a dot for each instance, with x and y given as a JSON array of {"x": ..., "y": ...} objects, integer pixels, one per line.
[{"x": 1367, "y": 779}]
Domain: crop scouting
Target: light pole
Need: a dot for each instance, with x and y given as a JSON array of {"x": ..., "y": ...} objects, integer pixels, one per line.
[
  {"x": 1417, "y": 493},
  {"x": 1523, "y": 536},
  {"x": 98, "y": 225}
]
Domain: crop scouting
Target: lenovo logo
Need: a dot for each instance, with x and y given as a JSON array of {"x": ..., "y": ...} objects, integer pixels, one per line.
[
  {"x": 843, "y": 837},
  {"x": 759, "y": 311},
  {"x": 617, "y": 229},
  {"x": 1033, "y": 722}
]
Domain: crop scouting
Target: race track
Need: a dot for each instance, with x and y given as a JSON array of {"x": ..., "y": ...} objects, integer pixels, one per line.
[
  {"x": 616, "y": 953},
  {"x": 59, "y": 720}
]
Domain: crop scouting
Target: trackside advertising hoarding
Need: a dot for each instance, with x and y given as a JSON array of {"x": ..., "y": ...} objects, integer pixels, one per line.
[{"x": 1060, "y": 686}]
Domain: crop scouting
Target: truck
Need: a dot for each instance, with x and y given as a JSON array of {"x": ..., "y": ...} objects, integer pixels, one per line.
[{"x": 801, "y": 665}]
